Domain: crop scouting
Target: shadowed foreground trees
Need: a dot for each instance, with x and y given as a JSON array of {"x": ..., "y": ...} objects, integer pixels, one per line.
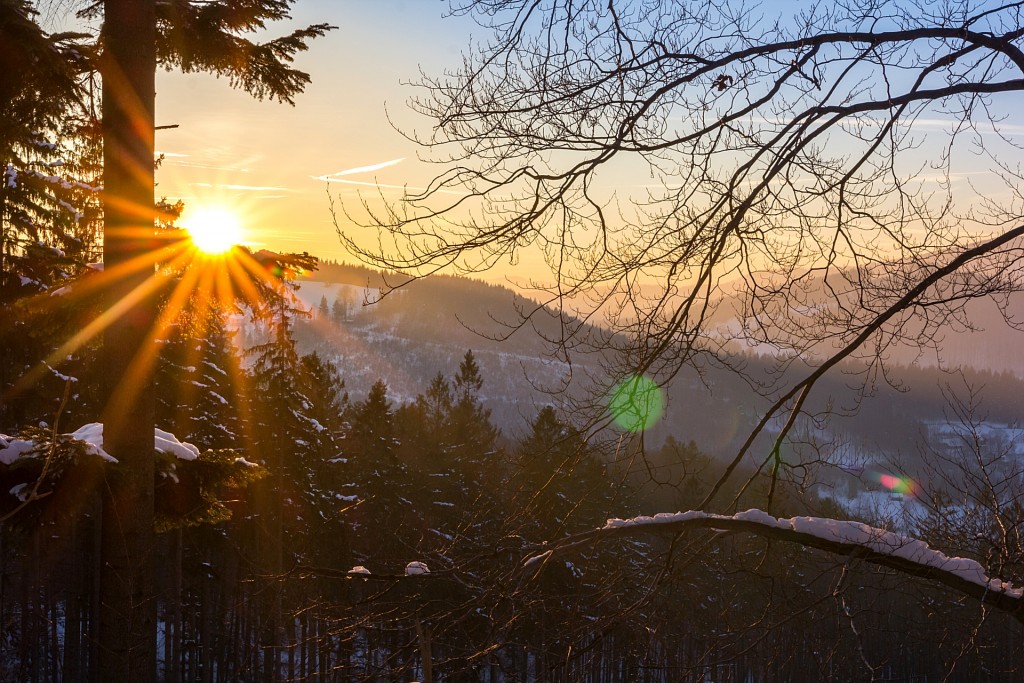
[
  {"x": 48, "y": 86},
  {"x": 268, "y": 594}
]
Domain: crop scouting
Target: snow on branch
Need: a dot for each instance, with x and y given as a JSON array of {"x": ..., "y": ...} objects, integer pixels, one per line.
[
  {"x": 165, "y": 442},
  {"x": 91, "y": 435},
  {"x": 841, "y": 537}
]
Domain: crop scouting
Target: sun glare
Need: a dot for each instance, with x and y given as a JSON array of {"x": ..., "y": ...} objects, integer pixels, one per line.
[{"x": 213, "y": 230}]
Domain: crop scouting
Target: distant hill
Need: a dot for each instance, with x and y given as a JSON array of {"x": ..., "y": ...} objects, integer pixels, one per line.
[
  {"x": 413, "y": 333},
  {"x": 355, "y": 275},
  {"x": 989, "y": 336}
]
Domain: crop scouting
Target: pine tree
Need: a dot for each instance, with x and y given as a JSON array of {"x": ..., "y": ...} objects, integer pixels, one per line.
[
  {"x": 43, "y": 192},
  {"x": 377, "y": 484},
  {"x": 197, "y": 396},
  {"x": 339, "y": 311},
  {"x": 323, "y": 310}
]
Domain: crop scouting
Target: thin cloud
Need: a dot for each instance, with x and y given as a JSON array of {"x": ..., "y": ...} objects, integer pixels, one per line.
[
  {"x": 244, "y": 188},
  {"x": 364, "y": 182},
  {"x": 362, "y": 169},
  {"x": 329, "y": 179},
  {"x": 215, "y": 167}
]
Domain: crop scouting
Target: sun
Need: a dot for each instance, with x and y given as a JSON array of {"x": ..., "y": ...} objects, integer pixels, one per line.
[{"x": 212, "y": 229}]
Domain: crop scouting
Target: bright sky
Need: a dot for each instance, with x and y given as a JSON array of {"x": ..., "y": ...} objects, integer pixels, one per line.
[
  {"x": 262, "y": 159},
  {"x": 266, "y": 161}
]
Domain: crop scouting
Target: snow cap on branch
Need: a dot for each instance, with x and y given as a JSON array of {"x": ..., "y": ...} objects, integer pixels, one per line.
[{"x": 845, "y": 532}]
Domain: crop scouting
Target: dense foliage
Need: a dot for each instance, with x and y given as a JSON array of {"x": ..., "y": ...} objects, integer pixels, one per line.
[{"x": 371, "y": 482}]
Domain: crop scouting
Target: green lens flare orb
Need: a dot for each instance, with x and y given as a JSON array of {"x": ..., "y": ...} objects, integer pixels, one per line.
[{"x": 636, "y": 403}]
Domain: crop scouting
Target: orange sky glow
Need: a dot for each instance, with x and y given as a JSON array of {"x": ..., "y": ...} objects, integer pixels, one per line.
[
  {"x": 277, "y": 167},
  {"x": 272, "y": 165}
]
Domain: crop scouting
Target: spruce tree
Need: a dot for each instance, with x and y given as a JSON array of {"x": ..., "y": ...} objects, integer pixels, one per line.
[
  {"x": 475, "y": 452},
  {"x": 372, "y": 431},
  {"x": 191, "y": 36},
  {"x": 279, "y": 426},
  {"x": 198, "y": 399},
  {"x": 324, "y": 533},
  {"x": 48, "y": 182},
  {"x": 474, "y": 436},
  {"x": 377, "y": 486},
  {"x": 339, "y": 311},
  {"x": 450, "y": 444},
  {"x": 558, "y": 481},
  {"x": 44, "y": 188}
]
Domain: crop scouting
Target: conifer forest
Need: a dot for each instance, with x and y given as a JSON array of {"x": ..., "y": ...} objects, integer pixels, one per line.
[{"x": 758, "y": 419}]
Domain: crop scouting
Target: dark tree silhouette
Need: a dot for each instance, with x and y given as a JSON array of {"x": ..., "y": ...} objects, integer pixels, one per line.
[
  {"x": 192, "y": 36},
  {"x": 127, "y": 620}
]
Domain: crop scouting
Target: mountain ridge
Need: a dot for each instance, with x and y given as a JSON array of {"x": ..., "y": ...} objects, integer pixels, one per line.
[{"x": 425, "y": 327}]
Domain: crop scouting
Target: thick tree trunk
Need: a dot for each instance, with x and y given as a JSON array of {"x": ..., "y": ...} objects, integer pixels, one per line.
[{"x": 127, "y": 625}]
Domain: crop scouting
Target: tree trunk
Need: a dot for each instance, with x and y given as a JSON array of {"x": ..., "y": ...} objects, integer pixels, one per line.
[
  {"x": 173, "y": 639},
  {"x": 77, "y": 593},
  {"x": 426, "y": 654},
  {"x": 127, "y": 623}
]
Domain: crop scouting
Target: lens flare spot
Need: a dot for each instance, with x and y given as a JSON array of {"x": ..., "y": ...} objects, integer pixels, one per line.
[
  {"x": 636, "y": 403},
  {"x": 894, "y": 484}
]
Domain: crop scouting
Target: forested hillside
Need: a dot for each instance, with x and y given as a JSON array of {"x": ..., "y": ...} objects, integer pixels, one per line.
[
  {"x": 259, "y": 577},
  {"x": 383, "y": 538},
  {"x": 413, "y": 332}
]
